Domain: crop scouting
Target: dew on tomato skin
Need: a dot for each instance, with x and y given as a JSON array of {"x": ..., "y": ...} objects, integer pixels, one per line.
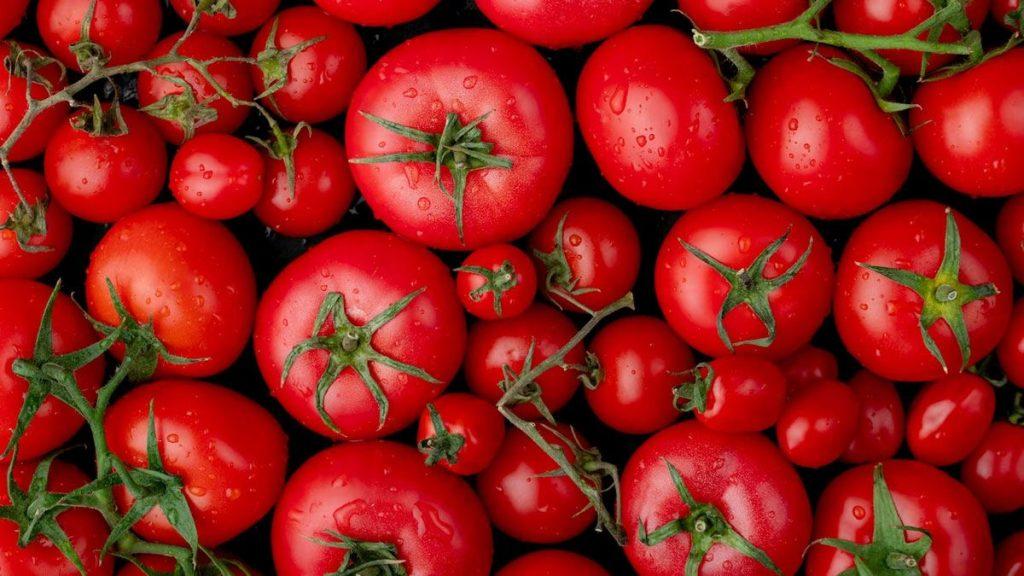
[
  {"x": 859, "y": 513},
  {"x": 411, "y": 92},
  {"x": 794, "y": 124},
  {"x": 423, "y": 203},
  {"x": 469, "y": 82},
  {"x": 197, "y": 491},
  {"x": 172, "y": 438},
  {"x": 743, "y": 244},
  {"x": 617, "y": 101},
  {"x": 641, "y": 140},
  {"x": 863, "y": 306}
]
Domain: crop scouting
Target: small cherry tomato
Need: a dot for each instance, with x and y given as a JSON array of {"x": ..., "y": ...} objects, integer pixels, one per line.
[
  {"x": 557, "y": 23},
  {"x": 217, "y": 176},
  {"x": 880, "y": 427},
  {"x": 808, "y": 365},
  {"x": 461, "y": 433},
  {"x": 19, "y": 58},
  {"x": 738, "y": 15},
  {"x": 120, "y": 32},
  {"x": 497, "y": 281},
  {"x": 995, "y": 470},
  {"x": 734, "y": 394},
  {"x": 1010, "y": 556},
  {"x": 949, "y": 417},
  {"x": 1011, "y": 348},
  {"x": 1010, "y": 234},
  {"x": 552, "y": 563},
  {"x": 377, "y": 12},
  {"x": 38, "y": 223},
  {"x": 818, "y": 424},
  {"x": 242, "y": 16}
]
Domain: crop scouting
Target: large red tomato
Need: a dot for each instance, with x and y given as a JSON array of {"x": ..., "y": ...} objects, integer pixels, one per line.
[
  {"x": 121, "y": 31},
  {"x": 48, "y": 79},
  {"x": 563, "y": 23},
  {"x": 552, "y": 563},
  {"x": 737, "y": 15},
  {"x": 377, "y": 12},
  {"x": 38, "y": 223}
]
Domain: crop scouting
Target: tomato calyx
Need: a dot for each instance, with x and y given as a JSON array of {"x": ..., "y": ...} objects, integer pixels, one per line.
[
  {"x": 458, "y": 147},
  {"x": 89, "y": 55},
  {"x": 98, "y": 122},
  {"x": 217, "y": 7},
  {"x": 559, "y": 280},
  {"x": 351, "y": 346},
  {"x": 518, "y": 391},
  {"x": 364, "y": 558},
  {"x": 442, "y": 445},
  {"x": 591, "y": 373},
  {"x": 182, "y": 109},
  {"x": 692, "y": 395},
  {"x": 25, "y": 63},
  {"x": 273, "y": 61},
  {"x": 706, "y": 526},
  {"x": 749, "y": 286},
  {"x": 28, "y": 221},
  {"x": 944, "y": 296},
  {"x": 496, "y": 282},
  {"x": 282, "y": 145}
]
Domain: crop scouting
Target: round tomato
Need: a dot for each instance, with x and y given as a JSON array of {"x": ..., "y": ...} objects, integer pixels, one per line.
[
  {"x": 500, "y": 98},
  {"x": 735, "y": 394},
  {"x": 818, "y": 424},
  {"x": 358, "y": 503},
  {"x": 967, "y": 129},
  {"x": 949, "y": 417},
  {"x": 120, "y": 32},
  {"x": 1010, "y": 235},
  {"x": 552, "y": 563},
  {"x": 355, "y": 336},
  {"x": 995, "y": 470},
  {"x": 735, "y": 484},
  {"x": 880, "y": 427},
  {"x": 497, "y": 281},
  {"x": 238, "y": 17},
  {"x": 217, "y": 176},
  {"x": 1011, "y": 348},
  {"x": 12, "y": 15},
  {"x": 736, "y": 15},
  {"x": 563, "y": 23},
  {"x": 19, "y": 58},
  {"x": 905, "y": 268},
  {"x": 652, "y": 110},
  {"x": 808, "y": 365},
  {"x": 744, "y": 274},
  {"x": 468, "y": 437},
  {"x": 38, "y": 224},
  {"x": 588, "y": 253},
  {"x": 186, "y": 278},
  {"x": 1010, "y": 556},
  {"x": 377, "y": 12}
]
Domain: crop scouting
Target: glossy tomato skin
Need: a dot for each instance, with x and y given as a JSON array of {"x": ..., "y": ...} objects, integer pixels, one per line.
[
  {"x": 1010, "y": 235},
  {"x": 15, "y": 262},
  {"x": 734, "y": 230},
  {"x": 1011, "y": 348},
  {"x": 13, "y": 104},
  {"x": 743, "y": 475},
  {"x": 476, "y": 420},
  {"x": 529, "y": 123},
  {"x": 563, "y": 23},
  {"x": 323, "y": 187},
  {"x": 232, "y": 474},
  {"x": 217, "y": 176},
  {"x": 506, "y": 342},
  {"x": 250, "y": 14},
  {"x": 640, "y": 360},
  {"x": 1010, "y": 556},
  {"x": 747, "y": 394},
  {"x": 125, "y": 29},
  {"x": 995, "y": 470},
  {"x": 233, "y": 76},
  {"x": 925, "y": 498},
  {"x": 552, "y": 563},
  {"x": 808, "y": 365},
  {"x": 187, "y": 275},
  {"x": 651, "y": 107},
  {"x": 880, "y": 427},
  {"x": 372, "y": 270},
  {"x": 818, "y": 424},
  {"x": 21, "y": 309},
  {"x": 321, "y": 78},
  {"x": 12, "y": 15},
  {"x": 85, "y": 528},
  {"x": 818, "y": 138},
  {"x": 387, "y": 495},
  {"x": 377, "y": 12},
  {"x": 601, "y": 247},
  {"x": 712, "y": 15},
  {"x": 949, "y": 418},
  {"x": 515, "y": 300},
  {"x": 969, "y": 129},
  {"x": 104, "y": 178}
]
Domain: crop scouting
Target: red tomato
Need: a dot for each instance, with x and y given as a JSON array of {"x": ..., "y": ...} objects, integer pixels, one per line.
[
  {"x": 563, "y": 23},
  {"x": 122, "y": 31},
  {"x": 880, "y": 427},
  {"x": 1000, "y": 10},
  {"x": 818, "y": 424},
  {"x": 735, "y": 394},
  {"x": 495, "y": 344},
  {"x": 652, "y": 110},
  {"x": 14, "y": 102},
  {"x": 217, "y": 176},
  {"x": 21, "y": 309},
  {"x": 397, "y": 321},
  {"x": 12, "y": 15},
  {"x": 166, "y": 564},
  {"x": 323, "y": 185},
  {"x": 497, "y": 281},
  {"x": 1010, "y": 235},
  {"x": 85, "y": 528},
  {"x": 880, "y": 320},
  {"x": 244, "y": 16},
  {"x": 379, "y": 492},
  {"x": 29, "y": 220},
  {"x": 995, "y": 470},
  {"x": 737, "y": 480},
  {"x": 524, "y": 129},
  {"x": 1011, "y": 348},
  {"x": 232, "y": 474},
  {"x": 808, "y": 365},
  {"x": 1010, "y": 556},
  {"x": 104, "y": 176},
  {"x": 473, "y": 432},
  {"x": 818, "y": 138},
  {"x": 552, "y": 563},
  {"x": 179, "y": 112},
  {"x": 316, "y": 83},
  {"x": 588, "y": 253},
  {"x": 635, "y": 365},
  {"x": 377, "y": 12},
  {"x": 926, "y": 499},
  {"x": 188, "y": 276},
  {"x": 790, "y": 288},
  {"x": 713, "y": 15},
  {"x": 969, "y": 130},
  {"x": 949, "y": 417}
]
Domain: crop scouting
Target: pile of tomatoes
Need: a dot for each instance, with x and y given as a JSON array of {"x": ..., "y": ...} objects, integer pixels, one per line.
[{"x": 452, "y": 288}]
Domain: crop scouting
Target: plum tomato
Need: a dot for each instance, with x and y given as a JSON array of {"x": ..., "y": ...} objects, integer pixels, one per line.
[
  {"x": 949, "y": 417},
  {"x": 563, "y": 23},
  {"x": 461, "y": 433},
  {"x": 552, "y": 563},
  {"x": 1010, "y": 235},
  {"x": 120, "y": 32},
  {"x": 995, "y": 470},
  {"x": 738, "y": 15},
  {"x": 734, "y": 393},
  {"x": 228, "y": 18},
  {"x": 808, "y": 365},
  {"x": 497, "y": 281},
  {"x": 34, "y": 234},
  {"x": 1011, "y": 348},
  {"x": 217, "y": 176},
  {"x": 1010, "y": 556},
  {"x": 818, "y": 424},
  {"x": 21, "y": 61},
  {"x": 377, "y": 12},
  {"x": 880, "y": 427}
]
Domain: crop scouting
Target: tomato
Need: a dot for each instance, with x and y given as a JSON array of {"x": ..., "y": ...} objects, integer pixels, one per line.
[
  {"x": 744, "y": 274},
  {"x": 995, "y": 470},
  {"x": 217, "y": 176},
  {"x": 323, "y": 185},
  {"x": 104, "y": 173},
  {"x": 739, "y": 483},
  {"x": 969, "y": 130},
  {"x": 735, "y": 394},
  {"x": 121, "y": 31},
  {"x": 377, "y": 12},
  {"x": 496, "y": 344},
  {"x": 925, "y": 499},
  {"x": 880, "y": 426},
  {"x": 43, "y": 225},
  {"x": 635, "y": 363},
  {"x": 181, "y": 113},
  {"x": 244, "y": 16},
  {"x": 563, "y": 23},
  {"x": 949, "y": 417},
  {"x": 1010, "y": 235},
  {"x": 48, "y": 79},
  {"x": 522, "y": 137},
  {"x": 232, "y": 474},
  {"x": 808, "y": 365},
  {"x": 497, "y": 281},
  {"x": 22, "y": 303},
  {"x": 1010, "y": 556},
  {"x": 85, "y": 529},
  {"x": 166, "y": 564},
  {"x": 588, "y": 253},
  {"x": 525, "y": 503},
  {"x": 818, "y": 424},
  {"x": 316, "y": 83},
  {"x": 472, "y": 431},
  {"x": 712, "y": 15},
  {"x": 378, "y": 492},
  {"x": 652, "y": 110},
  {"x": 12, "y": 15},
  {"x": 882, "y": 322},
  {"x": 818, "y": 138},
  {"x": 1011, "y": 348},
  {"x": 188, "y": 276},
  {"x": 1001, "y": 10},
  {"x": 397, "y": 341},
  {"x": 552, "y": 563}
]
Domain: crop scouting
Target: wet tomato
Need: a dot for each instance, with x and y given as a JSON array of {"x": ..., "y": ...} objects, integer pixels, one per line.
[
  {"x": 1011, "y": 348},
  {"x": 808, "y": 365},
  {"x": 217, "y": 176},
  {"x": 377, "y": 12},
  {"x": 121, "y": 31},
  {"x": 243, "y": 16},
  {"x": 552, "y": 563},
  {"x": 470, "y": 433},
  {"x": 20, "y": 57},
  {"x": 995, "y": 470},
  {"x": 949, "y": 417},
  {"x": 497, "y": 281},
  {"x": 38, "y": 223},
  {"x": 818, "y": 424},
  {"x": 734, "y": 393},
  {"x": 1010, "y": 235},
  {"x": 563, "y": 23},
  {"x": 1010, "y": 556},
  {"x": 880, "y": 428}
]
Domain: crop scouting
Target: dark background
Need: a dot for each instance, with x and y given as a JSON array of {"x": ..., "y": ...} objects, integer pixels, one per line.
[{"x": 269, "y": 253}]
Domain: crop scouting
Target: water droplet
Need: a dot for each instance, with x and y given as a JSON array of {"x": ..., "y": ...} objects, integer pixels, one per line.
[
  {"x": 794, "y": 124},
  {"x": 575, "y": 240},
  {"x": 423, "y": 203},
  {"x": 410, "y": 93},
  {"x": 617, "y": 101},
  {"x": 469, "y": 82}
]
